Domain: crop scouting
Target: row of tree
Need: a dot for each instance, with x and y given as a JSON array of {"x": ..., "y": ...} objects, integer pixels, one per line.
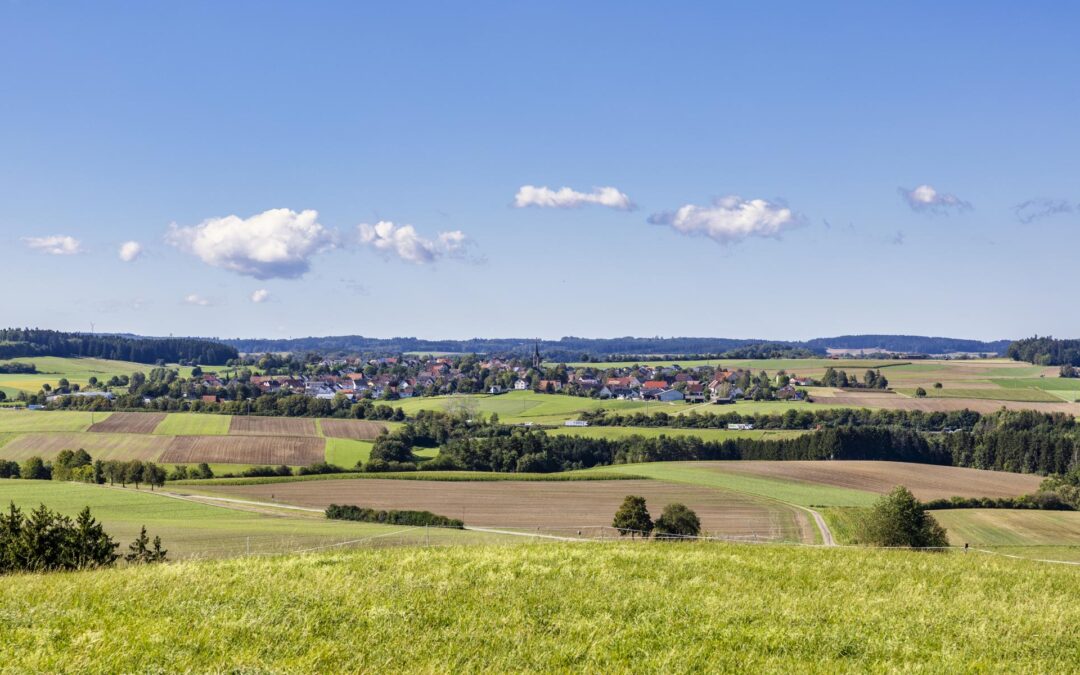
[{"x": 78, "y": 465}]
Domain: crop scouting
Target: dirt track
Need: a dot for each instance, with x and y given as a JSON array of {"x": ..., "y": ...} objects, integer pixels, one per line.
[{"x": 551, "y": 505}]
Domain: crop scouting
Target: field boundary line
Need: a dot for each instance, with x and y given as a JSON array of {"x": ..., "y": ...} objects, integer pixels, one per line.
[
  {"x": 1020, "y": 557},
  {"x": 491, "y": 530}
]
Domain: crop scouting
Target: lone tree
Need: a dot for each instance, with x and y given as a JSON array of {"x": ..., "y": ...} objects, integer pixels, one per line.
[
  {"x": 899, "y": 519},
  {"x": 633, "y": 518},
  {"x": 920, "y": 392},
  {"x": 677, "y": 521}
]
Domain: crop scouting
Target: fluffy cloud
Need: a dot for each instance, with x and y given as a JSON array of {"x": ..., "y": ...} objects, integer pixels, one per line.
[
  {"x": 1037, "y": 209},
  {"x": 566, "y": 198},
  {"x": 926, "y": 199},
  {"x": 55, "y": 245},
  {"x": 404, "y": 242},
  {"x": 278, "y": 243},
  {"x": 197, "y": 300},
  {"x": 730, "y": 219},
  {"x": 260, "y": 296},
  {"x": 130, "y": 250}
]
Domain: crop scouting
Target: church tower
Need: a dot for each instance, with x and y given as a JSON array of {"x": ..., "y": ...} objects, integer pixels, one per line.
[{"x": 537, "y": 362}]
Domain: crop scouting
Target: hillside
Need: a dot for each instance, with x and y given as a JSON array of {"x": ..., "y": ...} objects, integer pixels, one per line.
[{"x": 597, "y": 607}]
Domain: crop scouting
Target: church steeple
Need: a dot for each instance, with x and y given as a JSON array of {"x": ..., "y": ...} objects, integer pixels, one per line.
[{"x": 537, "y": 361}]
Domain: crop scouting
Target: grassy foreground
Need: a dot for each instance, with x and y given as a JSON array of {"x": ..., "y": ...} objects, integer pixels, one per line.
[{"x": 643, "y": 607}]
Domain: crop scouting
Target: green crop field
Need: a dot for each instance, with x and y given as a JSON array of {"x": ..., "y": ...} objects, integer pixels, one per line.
[
  {"x": 655, "y": 432},
  {"x": 77, "y": 371},
  {"x": 552, "y": 607},
  {"x": 191, "y": 529},
  {"x": 346, "y": 452},
  {"x": 1008, "y": 527},
  {"x": 47, "y": 420},
  {"x": 711, "y": 474},
  {"x": 194, "y": 424}
]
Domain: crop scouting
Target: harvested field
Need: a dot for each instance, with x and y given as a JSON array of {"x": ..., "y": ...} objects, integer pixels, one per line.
[
  {"x": 129, "y": 423},
  {"x": 897, "y": 402},
  {"x": 926, "y": 481},
  {"x": 358, "y": 430},
  {"x": 245, "y": 450},
  {"x": 271, "y": 426},
  {"x": 551, "y": 506},
  {"x": 100, "y": 445},
  {"x": 1008, "y": 527}
]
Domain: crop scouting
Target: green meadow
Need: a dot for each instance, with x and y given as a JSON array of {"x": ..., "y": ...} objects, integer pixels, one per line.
[
  {"x": 191, "y": 529},
  {"x": 77, "y": 371}
]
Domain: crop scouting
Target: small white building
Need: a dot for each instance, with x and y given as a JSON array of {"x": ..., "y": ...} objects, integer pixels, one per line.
[
  {"x": 575, "y": 423},
  {"x": 521, "y": 385},
  {"x": 740, "y": 427}
]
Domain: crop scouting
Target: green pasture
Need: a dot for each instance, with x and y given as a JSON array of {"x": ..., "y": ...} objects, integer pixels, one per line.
[
  {"x": 16, "y": 421},
  {"x": 190, "y": 529},
  {"x": 1010, "y": 527},
  {"x": 346, "y": 452},
  {"x": 77, "y": 371},
  {"x": 711, "y": 474},
  {"x": 194, "y": 424},
  {"x": 553, "y": 608},
  {"x": 656, "y": 432}
]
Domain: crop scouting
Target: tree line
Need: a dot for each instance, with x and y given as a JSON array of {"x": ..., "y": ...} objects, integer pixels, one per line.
[
  {"x": 18, "y": 342},
  {"x": 1045, "y": 351},
  {"x": 78, "y": 465},
  {"x": 791, "y": 419},
  {"x": 391, "y": 517}
]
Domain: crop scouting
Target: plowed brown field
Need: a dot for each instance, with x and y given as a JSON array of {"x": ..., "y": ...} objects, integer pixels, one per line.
[
  {"x": 129, "y": 423},
  {"x": 245, "y": 450},
  {"x": 551, "y": 506},
  {"x": 360, "y": 430},
  {"x": 926, "y": 481},
  {"x": 271, "y": 426}
]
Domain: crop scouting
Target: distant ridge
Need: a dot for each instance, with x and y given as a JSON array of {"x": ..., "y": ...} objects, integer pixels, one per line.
[{"x": 574, "y": 347}]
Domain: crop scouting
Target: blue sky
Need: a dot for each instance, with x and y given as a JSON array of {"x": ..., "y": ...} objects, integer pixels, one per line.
[{"x": 777, "y": 170}]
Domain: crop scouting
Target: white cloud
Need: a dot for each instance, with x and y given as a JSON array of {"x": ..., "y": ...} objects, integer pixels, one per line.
[
  {"x": 404, "y": 242},
  {"x": 730, "y": 219},
  {"x": 927, "y": 199},
  {"x": 197, "y": 300},
  {"x": 278, "y": 243},
  {"x": 567, "y": 198},
  {"x": 261, "y": 295},
  {"x": 55, "y": 245},
  {"x": 130, "y": 250}
]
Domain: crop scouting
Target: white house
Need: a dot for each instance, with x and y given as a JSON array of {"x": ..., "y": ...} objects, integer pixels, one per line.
[{"x": 521, "y": 385}]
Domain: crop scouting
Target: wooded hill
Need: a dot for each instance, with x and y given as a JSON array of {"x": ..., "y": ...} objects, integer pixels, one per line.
[{"x": 17, "y": 342}]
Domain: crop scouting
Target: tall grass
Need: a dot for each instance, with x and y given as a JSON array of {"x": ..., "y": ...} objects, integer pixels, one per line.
[{"x": 615, "y": 607}]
